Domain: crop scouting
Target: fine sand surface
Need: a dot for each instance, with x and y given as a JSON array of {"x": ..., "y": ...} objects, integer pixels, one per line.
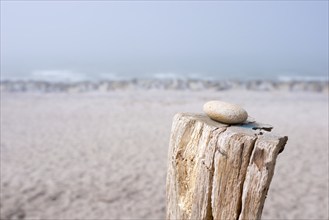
[{"x": 104, "y": 156}]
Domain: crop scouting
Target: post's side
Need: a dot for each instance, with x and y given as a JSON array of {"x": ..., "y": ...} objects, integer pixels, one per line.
[
  {"x": 259, "y": 175},
  {"x": 189, "y": 176},
  {"x": 210, "y": 173},
  {"x": 231, "y": 160}
]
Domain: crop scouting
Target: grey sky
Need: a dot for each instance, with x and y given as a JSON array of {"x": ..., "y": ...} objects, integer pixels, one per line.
[{"x": 233, "y": 38}]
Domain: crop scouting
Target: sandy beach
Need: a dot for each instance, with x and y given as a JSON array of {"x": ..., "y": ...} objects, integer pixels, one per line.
[{"x": 104, "y": 155}]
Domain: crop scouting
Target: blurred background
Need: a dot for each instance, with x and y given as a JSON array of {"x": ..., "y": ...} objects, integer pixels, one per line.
[
  {"x": 89, "y": 89},
  {"x": 84, "y": 40}
]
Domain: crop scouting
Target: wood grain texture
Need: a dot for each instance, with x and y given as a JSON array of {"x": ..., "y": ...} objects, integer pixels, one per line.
[{"x": 217, "y": 171}]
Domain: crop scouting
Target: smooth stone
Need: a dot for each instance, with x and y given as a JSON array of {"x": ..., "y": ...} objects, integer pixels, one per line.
[{"x": 225, "y": 112}]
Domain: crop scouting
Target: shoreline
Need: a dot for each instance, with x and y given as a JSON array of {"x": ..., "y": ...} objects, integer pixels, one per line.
[{"x": 163, "y": 84}]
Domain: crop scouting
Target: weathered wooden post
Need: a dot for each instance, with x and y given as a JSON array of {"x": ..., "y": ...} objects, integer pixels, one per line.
[{"x": 219, "y": 171}]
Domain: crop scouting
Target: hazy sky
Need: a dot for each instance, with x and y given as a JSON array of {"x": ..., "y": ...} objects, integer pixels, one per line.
[{"x": 102, "y": 37}]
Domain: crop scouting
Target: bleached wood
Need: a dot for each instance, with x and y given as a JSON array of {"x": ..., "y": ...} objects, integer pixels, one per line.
[{"x": 216, "y": 171}]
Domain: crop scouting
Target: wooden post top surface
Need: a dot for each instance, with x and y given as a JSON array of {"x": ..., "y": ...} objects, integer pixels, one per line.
[{"x": 250, "y": 127}]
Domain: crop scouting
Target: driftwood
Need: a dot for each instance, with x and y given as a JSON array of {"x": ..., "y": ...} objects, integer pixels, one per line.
[{"x": 217, "y": 171}]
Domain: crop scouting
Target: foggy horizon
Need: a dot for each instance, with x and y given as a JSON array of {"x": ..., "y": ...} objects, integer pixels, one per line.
[{"x": 93, "y": 40}]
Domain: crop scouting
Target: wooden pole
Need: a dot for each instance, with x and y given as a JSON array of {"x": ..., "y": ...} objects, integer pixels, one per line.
[{"x": 218, "y": 171}]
